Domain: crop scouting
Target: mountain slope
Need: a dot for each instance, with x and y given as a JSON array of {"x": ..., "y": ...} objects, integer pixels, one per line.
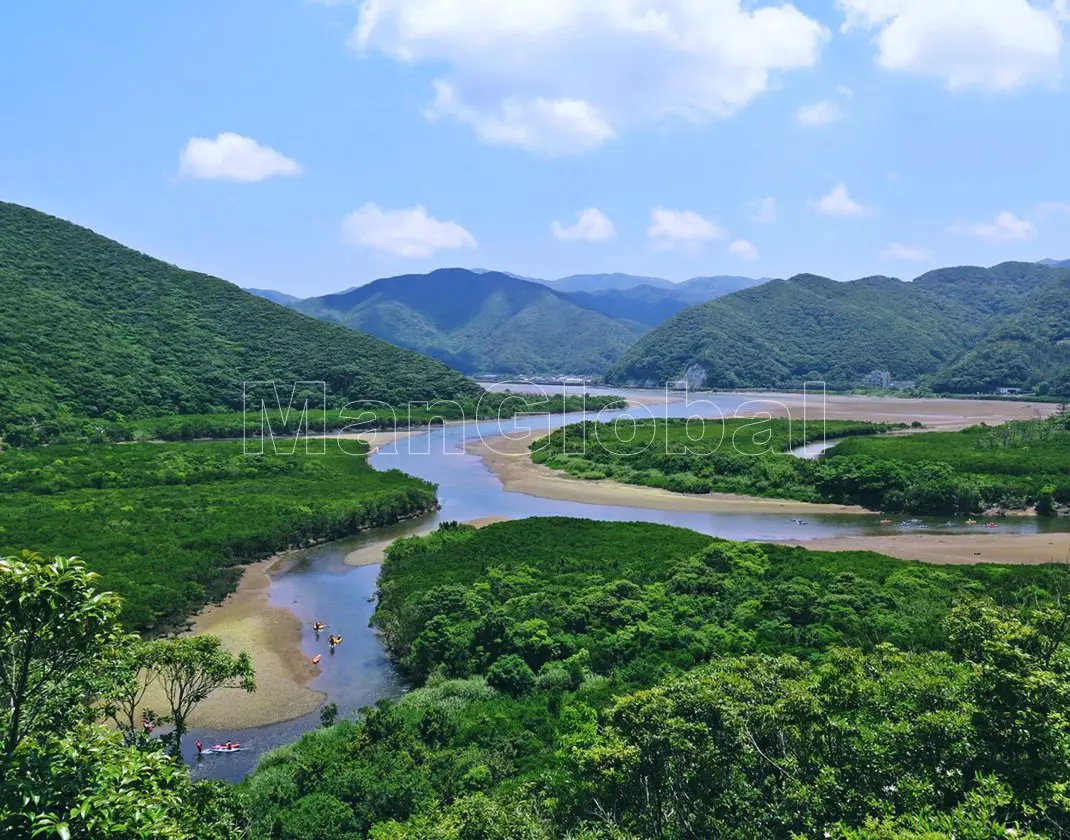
[
  {"x": 787, "y": 331},
  {"x": 480, "y": 322},
  {"x": 644, "y": 306},
  {"x": 90, "y": 328}
]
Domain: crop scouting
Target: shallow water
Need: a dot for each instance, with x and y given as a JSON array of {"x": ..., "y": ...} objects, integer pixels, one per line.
[{"x": 320, "y": 586}]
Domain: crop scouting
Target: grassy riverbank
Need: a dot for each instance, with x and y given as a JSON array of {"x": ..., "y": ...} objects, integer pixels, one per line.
[
  {"x": 168, "y": 525},
  {"x": 354, "y": 419},
  {"x": 1019, "y": 465},
  {"x": 744, "y": 456}
]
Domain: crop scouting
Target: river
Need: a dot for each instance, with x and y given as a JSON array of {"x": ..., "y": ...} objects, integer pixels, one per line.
[{"x": 319, "y": 585}]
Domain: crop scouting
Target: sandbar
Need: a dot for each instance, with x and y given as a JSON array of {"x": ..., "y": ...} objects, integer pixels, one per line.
[
  {"x": 271, "y": 635},
  {"x": 966, "y": 549},
  {"x": 509, "y": 459},
  {"x": 934, "y": 414}
]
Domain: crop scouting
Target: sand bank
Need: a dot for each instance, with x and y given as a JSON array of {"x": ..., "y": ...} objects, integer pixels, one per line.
[
  {"x": 935, "y": 414},
  {"x": 1030, "y": 549},
  {"x": 509, "y": 460},
  {"x": 271, "y": 635},
  {"x": 382, "y": 438},
  {"x": 373, "y": 552}
]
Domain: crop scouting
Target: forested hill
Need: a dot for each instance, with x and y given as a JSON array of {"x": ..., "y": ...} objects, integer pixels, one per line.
[
  {"x": 961, "y": 330},
  {"x": 480, "y": 322},
  {"x": 89, "y": 327}
]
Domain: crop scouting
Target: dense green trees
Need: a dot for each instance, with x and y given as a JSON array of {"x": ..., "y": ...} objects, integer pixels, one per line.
[
  {"x": 191, "y": 668},
  {"x": 61, "y": 774},
  {"x": 1015, "y": 465},
  {"x": 166, "y": 525},
  {"x": 690, "y": 688},
  {"x": 354, "y": 419},
  {"x": 92, "y": 329},
  {"x": 692, "y": 456}
]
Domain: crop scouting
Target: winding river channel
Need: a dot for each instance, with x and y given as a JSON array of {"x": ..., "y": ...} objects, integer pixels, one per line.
[{"x": 321, "y": 585}]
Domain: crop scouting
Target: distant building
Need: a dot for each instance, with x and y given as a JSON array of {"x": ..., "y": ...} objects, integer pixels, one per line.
[
  {"x": 877, "y": 379},
  {"x": 903, "y": 384},
  {"x": 1010, "y": 392}
]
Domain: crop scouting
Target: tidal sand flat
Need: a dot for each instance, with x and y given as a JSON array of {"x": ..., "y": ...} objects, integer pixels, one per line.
[
  {"x": 966, "y": 549},
  {"x": 509, "y": 459},
  {"x": 944, "y": 415},
  {"x": 271, "y": 635}
]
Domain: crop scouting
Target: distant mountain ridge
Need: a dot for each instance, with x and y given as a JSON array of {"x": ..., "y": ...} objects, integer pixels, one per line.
[
  {"x": 593, "y": 283},
  {"x": 964, "y": 330},
  {"x": 275, "y": 297},
  {"x": 480, "y": 322}
]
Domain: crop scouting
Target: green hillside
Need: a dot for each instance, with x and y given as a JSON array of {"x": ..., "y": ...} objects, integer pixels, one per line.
[
  {"x": 960, "y": 329},
  {"x": 90, "y": 328},
  {"x": 480, "y": 322}
]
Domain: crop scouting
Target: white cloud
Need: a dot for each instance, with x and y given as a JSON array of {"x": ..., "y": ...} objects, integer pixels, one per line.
[
  {"x": 743, "y": 249},
  {"x": 818, "y": 114},
  {"x": 564, "y": 76},
  {"x": 404, "y": 233},
  {"x": 896, "y": 251},
  {"x": 994, "y": 45},
  {"x": 839, "y": 203},
  {"x": 232, "y": 157},
  {"x": 592, "y": 225},
  {"x": 845, "y": 91},
  {"x": 763, "y": 211},
  {"x": 670, "y": 227},
  {"x": 1053, "y": 208},
  {"x": 551, "y": 127},
  {"x": 1005, "y": 228}
]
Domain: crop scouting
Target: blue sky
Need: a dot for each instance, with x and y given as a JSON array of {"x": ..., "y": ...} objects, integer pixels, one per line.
[{"x": 291, "y": 144}]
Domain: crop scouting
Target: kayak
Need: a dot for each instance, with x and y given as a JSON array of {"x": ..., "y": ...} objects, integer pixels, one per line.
[{"x": 223, "y": 748}]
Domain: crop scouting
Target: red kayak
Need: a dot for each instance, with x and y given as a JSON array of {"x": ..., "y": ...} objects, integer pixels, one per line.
[{"x": 224, "y": 748}]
